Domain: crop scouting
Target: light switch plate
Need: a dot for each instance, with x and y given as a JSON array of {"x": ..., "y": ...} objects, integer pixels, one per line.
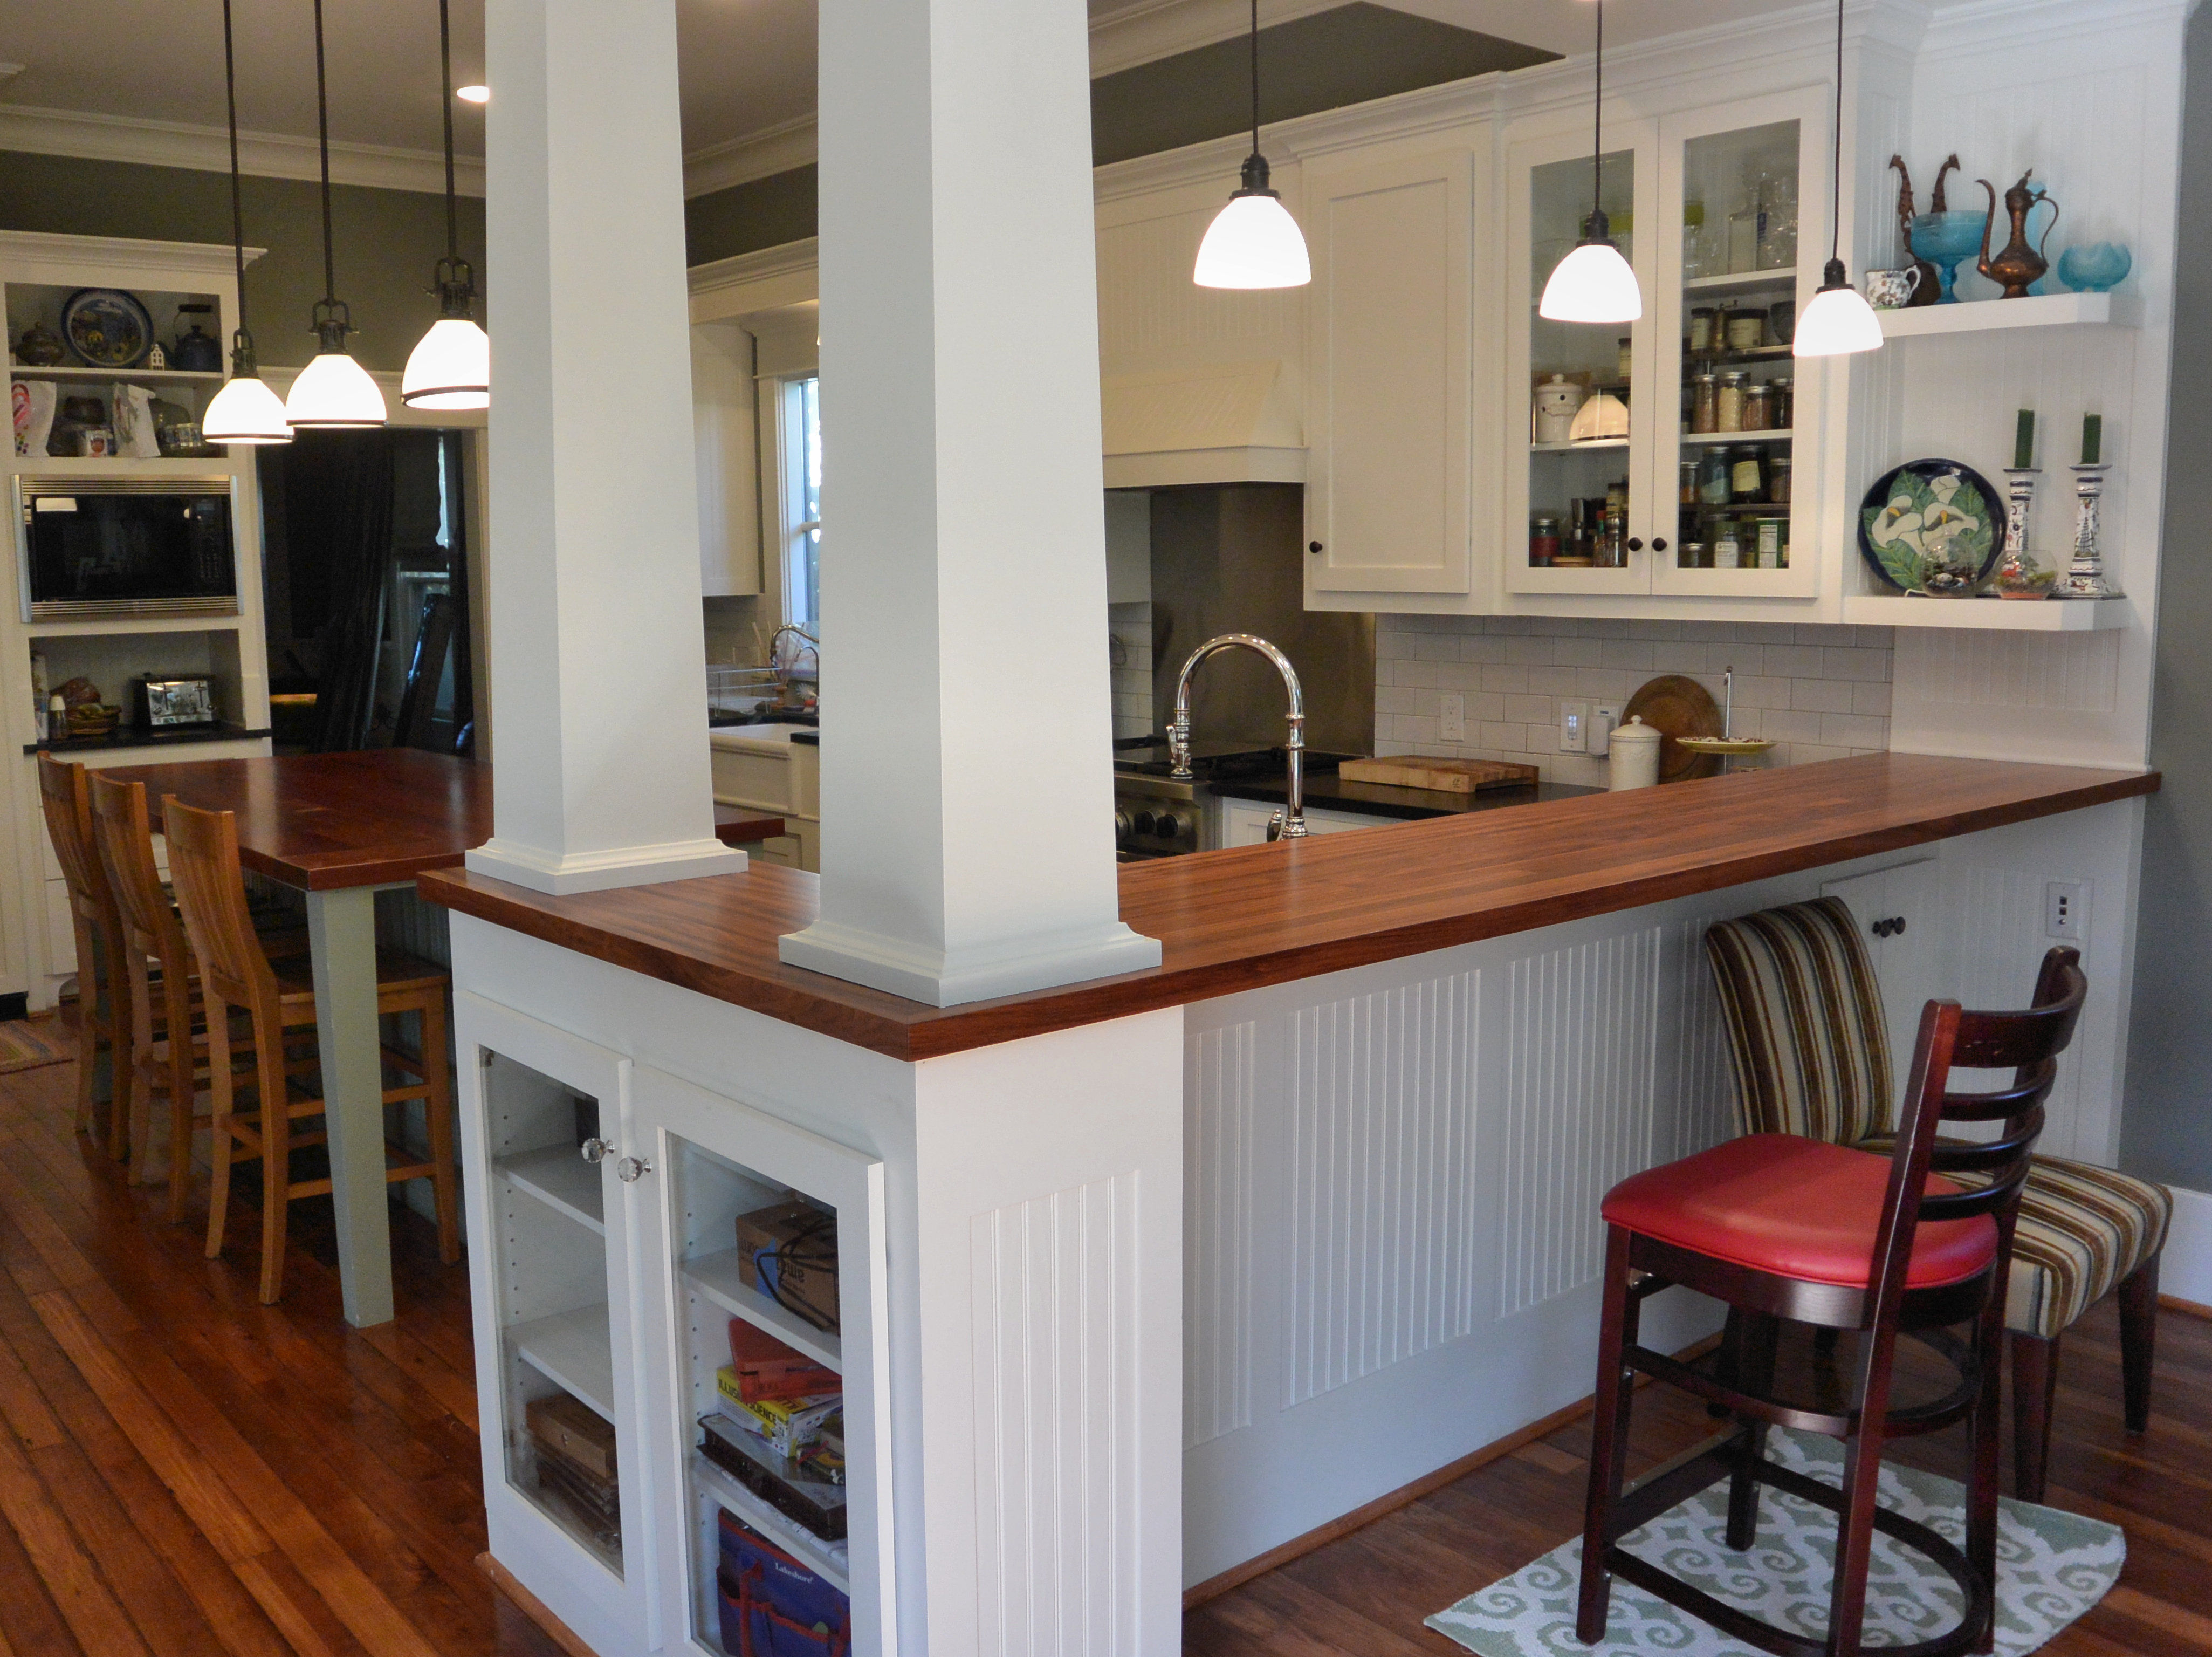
[
  {"x": 1574, "y": 727},
  {"x": 1451, "y": 718}
]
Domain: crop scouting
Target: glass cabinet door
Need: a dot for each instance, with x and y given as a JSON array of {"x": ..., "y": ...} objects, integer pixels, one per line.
[
  {"x": 1580, "y": 490},
  {"x": 1743, "y": 239}
]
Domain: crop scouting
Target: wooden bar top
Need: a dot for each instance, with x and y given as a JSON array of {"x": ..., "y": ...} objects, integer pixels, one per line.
[{"x": 1240, "y": 919}]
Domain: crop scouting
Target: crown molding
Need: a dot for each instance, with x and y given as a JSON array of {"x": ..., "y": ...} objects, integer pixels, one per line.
[
  {"x": 768, "y": 279},
  {"x": 120, "y": 254},
  {"x": 1148, "y": 30},
  {"x": 25, "y": 127},
  {"x": 778, "y": 148}
]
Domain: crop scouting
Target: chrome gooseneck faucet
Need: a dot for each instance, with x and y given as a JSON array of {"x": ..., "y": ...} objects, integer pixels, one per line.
[{"x": 1289, "y": 825}]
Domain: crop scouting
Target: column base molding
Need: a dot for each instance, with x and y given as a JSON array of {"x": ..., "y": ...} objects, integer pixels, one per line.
[
  {"x": 939, "y": 978},
  {"x": 561, "y": 875}
]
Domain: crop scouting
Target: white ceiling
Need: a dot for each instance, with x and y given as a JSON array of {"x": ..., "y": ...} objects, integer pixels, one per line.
[{"x": 132, "y": 72}]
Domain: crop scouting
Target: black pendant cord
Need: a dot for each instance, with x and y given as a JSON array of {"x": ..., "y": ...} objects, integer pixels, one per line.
[
  {"x": 1836, "y": 180},
  {"x": 445, "y": 68},
  {"x": 241, "y": 340},
  {"x": 1597, "y": 122},
  {"x": 331, "y": 323},
  {"x": 1256, "y": 77}
]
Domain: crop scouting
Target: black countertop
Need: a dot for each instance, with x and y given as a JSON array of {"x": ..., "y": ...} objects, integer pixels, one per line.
[
  {"x": 1324, "y": 790},
  {"x": 134, "y": 736}
]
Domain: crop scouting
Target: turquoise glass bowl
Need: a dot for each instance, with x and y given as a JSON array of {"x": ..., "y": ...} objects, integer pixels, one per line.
[
  {"x": 2096, "y": 267},
  {"x": 1944, "y": 239}
]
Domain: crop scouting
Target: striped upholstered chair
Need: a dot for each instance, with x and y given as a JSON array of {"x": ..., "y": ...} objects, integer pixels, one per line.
[{"x": 1806, "y": 1028}]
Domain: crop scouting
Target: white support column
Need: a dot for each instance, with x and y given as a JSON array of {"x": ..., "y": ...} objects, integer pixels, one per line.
[
  {"x": 598, "y": 655},
  {"x": 967, "y": 790}
]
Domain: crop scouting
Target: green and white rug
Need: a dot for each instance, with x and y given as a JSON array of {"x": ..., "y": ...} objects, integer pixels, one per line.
[{"x": 2051, "y": 1567}]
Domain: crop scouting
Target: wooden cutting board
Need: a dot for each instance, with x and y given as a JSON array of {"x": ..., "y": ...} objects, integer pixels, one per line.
[
  {"x": 1408, "y": 771},
  {"x": 1676, "y": 705}
]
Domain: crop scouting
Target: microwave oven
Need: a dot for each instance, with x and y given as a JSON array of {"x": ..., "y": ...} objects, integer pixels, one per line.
[{"x": 126, "y": 546}]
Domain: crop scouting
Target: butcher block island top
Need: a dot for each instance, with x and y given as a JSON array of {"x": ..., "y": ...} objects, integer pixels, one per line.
[{"x": 1240, "y": 919}]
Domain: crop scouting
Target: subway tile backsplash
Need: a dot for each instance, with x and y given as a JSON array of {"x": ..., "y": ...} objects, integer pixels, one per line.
[
  {"x": 1130, "y": 638},
  {"x": 1822, "y": 692}
]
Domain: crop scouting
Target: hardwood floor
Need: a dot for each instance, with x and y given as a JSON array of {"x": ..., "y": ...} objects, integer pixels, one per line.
[{"x": 184, "y": 1471}]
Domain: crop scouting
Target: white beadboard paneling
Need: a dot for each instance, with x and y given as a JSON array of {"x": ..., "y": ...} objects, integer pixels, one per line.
[
  {"x": 1148, "y": 306},
  {"x": 1220, "y": 1148},
  {"x": 1580, "y": 1082},
  {"x": 2073, "y": 672},
  {"x": 1056, "y": 1322},
  {"x": 1382, "y": 1224},
  {"x": 1705, "y": 1078}
]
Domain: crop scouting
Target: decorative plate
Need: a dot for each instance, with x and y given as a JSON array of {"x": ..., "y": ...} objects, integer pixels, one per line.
[
  {"x": 1677, "y": 706},
  {"x": 108, "y": 327},
  {"x": 1933, "y": 527}
]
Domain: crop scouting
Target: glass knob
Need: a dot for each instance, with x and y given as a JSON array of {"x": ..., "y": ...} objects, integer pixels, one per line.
[
  {"x": 630, "y": 1169},
  {"x": 594, "y": 1149}
]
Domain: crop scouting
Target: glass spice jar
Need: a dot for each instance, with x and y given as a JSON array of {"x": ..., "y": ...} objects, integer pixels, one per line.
[
  {"x": 1543, "y": 541},
  {"x": 1747, "y": 475},
  {"x": 1704, "y": 405},
  {"x": 1626, "y": 357},
  {"x": 1694, "y": 555},
  {"x": 1727, "y": 550},
  {"x": 1747, "y": 330},
  {"x": 1713, "y": 476},
  {"x": 1701, "y": 328},
  {"x": 1728, "y": 404},
  {"x": 1757, "y": 407},
  {"x": 1688, "y": 495},
  {"x": 1784, "y": 392},
  {"x": 1779, "y": 468}
]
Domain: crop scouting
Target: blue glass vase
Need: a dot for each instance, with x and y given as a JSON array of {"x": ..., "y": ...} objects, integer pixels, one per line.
[
  {"x": 2096, "y": 267},
  {"x": 1945, "y": 240}
]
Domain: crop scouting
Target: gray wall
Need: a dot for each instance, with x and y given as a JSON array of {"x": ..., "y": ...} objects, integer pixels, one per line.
[
  {"x": 2168, "y": 1133},
  {"x": 387, "y": 242}
]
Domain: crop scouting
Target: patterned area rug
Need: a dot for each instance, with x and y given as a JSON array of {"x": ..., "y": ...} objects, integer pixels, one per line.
[
  {"x": 27, "y": 1044},
  {"x": 2051, "y": 1567}
]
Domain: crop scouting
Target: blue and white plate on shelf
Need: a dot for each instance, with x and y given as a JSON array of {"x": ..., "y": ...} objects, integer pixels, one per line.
[
  {"x": 106, "y": 327},
  {"x": 1934, "y": 529}
]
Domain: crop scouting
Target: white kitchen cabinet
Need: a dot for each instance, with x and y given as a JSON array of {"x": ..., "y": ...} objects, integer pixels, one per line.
[
  {"x": 616, "y": 1282},
  {"x": 1898, "y": 919},
  {"x": 1389, "y": 357},
  {"x": 725, "y": 431},
  {"x": 1701, "y": 203}
]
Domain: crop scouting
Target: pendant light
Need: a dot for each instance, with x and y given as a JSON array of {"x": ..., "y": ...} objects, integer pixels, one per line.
[
  {"x": 333, "y": 391},
  {"x": 1593, "y": 284},
  {"x": 1839, "y": 320},
  {"x": 450, "y": 367},
  {"x": 245, "y": 411},
  {"x": 1253, "y": 242}
]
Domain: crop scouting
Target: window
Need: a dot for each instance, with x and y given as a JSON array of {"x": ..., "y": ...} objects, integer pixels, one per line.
[{"x": 800, "y": 449}]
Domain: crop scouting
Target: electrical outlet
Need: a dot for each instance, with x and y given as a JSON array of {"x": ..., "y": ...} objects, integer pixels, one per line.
[
  {"x": 1451, "y": 719},
  {"x": 2065, "y": 910},
  {"x": 1605, "y": 719},
  {"x": 1574, "y": 727}
]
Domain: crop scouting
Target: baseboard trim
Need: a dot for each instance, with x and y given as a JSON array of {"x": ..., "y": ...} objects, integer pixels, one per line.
[
  {"x": 532, "y": 1607},
  {"x": 2185, "y": 1269},
  {"x": 2186, "y": 1308},
  {"x": 1405, "y": 1494}
]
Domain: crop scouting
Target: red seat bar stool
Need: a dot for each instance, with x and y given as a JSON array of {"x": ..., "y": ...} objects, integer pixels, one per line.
[{"x": 1787, "y": 1229}]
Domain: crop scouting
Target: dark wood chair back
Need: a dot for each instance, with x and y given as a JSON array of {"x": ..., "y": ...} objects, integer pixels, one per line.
[{"x": 210, "y": 887}]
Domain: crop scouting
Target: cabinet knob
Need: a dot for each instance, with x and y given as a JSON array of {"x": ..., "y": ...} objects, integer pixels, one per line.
[
  {"x": 595, "y": 1150},
  {"x": 1658, "y": 543},
  {"x": 1313, "y": 546},
  {"x": 630, "y": 1169},
  {"x": 1636, "y": 543}
]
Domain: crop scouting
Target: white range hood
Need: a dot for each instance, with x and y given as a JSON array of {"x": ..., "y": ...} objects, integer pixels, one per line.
[{"x": 1236, "y": 423}]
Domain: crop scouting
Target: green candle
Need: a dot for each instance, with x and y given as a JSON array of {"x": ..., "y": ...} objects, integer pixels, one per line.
[
  {"x": 2092, "y": 438},
  {"x": 2023, "y": 442}
]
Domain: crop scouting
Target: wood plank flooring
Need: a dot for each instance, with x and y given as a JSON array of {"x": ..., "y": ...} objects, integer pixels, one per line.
[{"x": 183, "y": 1470}]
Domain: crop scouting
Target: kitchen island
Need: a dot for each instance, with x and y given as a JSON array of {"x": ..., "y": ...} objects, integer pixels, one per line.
[{"x": 1411, "y": 1062}]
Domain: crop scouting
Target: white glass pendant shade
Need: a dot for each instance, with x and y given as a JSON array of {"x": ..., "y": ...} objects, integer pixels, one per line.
[
  {"x": 450, "y": 369},
  {"x": 334, "y": 390},
  {"x": 1252, "y": 243},
  {"x": 1593, "y": 284},
  {"x": 245, "y": 412},
  {"x": 1837, "y": 322}
]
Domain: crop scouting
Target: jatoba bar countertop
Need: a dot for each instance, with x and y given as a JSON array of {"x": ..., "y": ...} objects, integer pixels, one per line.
[{"x": 1236, "y": 920}]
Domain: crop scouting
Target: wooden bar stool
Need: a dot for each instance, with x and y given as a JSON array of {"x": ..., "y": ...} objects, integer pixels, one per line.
[
  {"x": 103, "y": 1002},
  {"x": 1806, "y": 1025},
  {"x": 236, "y": 972},
  {"x": 1781, "y": 1227}
]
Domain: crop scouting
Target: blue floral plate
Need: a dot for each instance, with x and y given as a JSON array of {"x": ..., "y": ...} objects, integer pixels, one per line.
[
  {"x": 1932, "y": 527},
  {"x": 108, "y": 327}
]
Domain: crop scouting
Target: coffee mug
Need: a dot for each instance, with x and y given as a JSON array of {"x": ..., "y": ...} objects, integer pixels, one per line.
[{"x": 1892, "y": 290}]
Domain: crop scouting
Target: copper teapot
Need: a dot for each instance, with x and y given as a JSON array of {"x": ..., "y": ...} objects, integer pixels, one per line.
[{"x": 2019, "y": 263}]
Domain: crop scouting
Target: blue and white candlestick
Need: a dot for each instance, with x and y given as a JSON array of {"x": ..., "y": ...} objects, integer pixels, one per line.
[{"x": 2085, "y": 577}]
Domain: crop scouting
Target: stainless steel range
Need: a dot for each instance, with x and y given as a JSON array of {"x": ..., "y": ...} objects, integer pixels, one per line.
[{"x": 1157, "y": 815}]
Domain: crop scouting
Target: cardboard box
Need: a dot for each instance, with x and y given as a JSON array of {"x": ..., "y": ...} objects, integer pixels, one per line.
[
  {"x": 574, "y": 1430},
  {"x": 789, "y": 1425},
  {"x": 789, "y": 1253},
  {"x": 767, "y": 1368}
]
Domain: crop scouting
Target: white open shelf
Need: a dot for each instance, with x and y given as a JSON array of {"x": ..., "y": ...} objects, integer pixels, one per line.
[
  {"x": 1782, "y": 435},
  {"x": 829, "y": 1559},
  {"x": 1782, "y": 275},
  {"x": 573, "y": 1350},
  {"x": 1577, "y": 448},
  {"x": 2036, "y": 311},
  {"x": 559, "y": 1176},
  {"x": 716, "y": 1276},
  {"x": 1998, "y": 615},
  {"x": 64, "y": 371}
]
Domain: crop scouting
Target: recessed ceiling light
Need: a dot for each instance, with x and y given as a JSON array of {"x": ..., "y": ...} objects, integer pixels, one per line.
[{"x": 473, "y": 95}]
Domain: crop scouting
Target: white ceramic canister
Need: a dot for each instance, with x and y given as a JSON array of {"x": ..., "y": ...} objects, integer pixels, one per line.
[
  {"x": 1634, "y": 755},
  {"x": 1557, "y": 400}
]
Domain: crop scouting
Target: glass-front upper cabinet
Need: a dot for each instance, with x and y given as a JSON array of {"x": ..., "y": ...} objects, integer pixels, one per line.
[{"x": 1661, "y": 454}]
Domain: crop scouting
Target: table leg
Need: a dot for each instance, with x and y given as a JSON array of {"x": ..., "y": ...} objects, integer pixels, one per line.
[{"x": 342, "y": 935}]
